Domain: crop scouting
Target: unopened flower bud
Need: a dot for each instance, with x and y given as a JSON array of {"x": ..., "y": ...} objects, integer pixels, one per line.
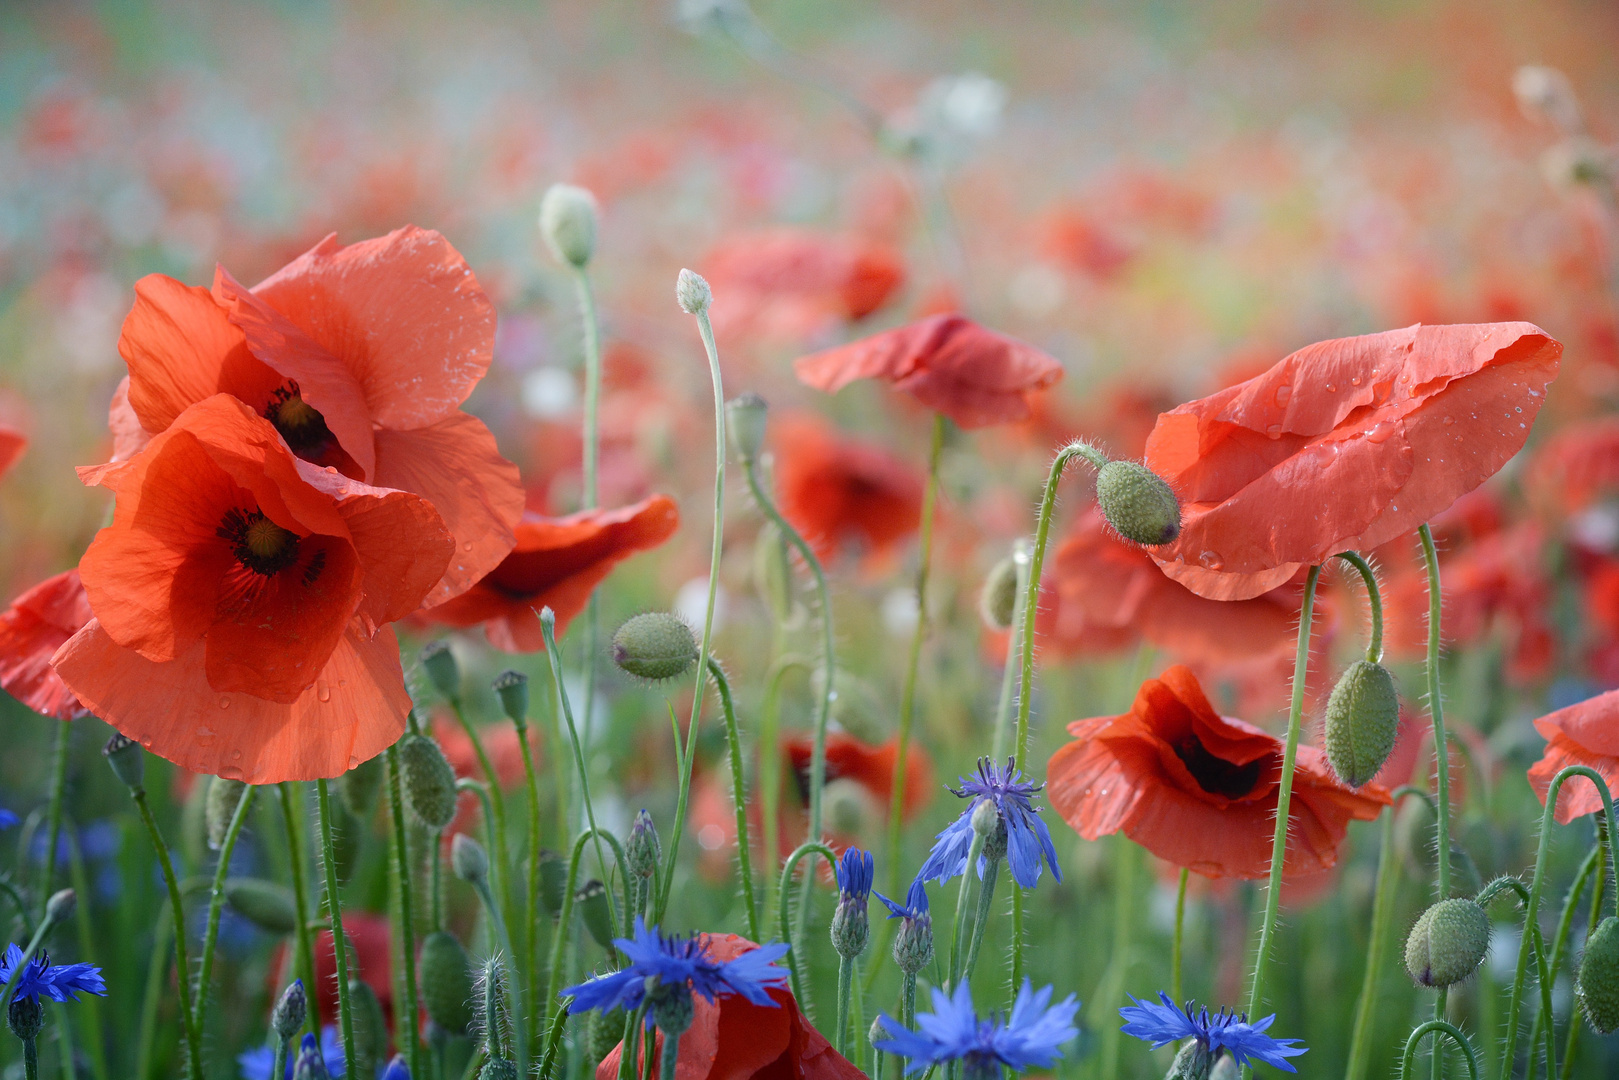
[
  {"x": 773, "y": 572},
  {"x": 291, "y": 1009},
  {"x": 1546, "y": 95},
  {"x": 358, "y": 788},
  {"x": 512, "y": 689},
  {"x": 876, "y": 1032},
  {"x": 1596, "y": 986},
  {"x": 1192, "y": 1063},
  {"x": 596, "y": 911},
  {"x": 655, "y": 646},
  {"x": 446, "y": 982},
  {"x": 1138, "y": 503},
  {"x": 851, "y": 927},
  {"x": 127, "y": 759},
  {"x": 439, "y": 663},
  {"x": 673, "y": 1009},
  {"x": 498, "y": 1069},
  {"x": 309, "y": 1064},
  {"x": 745, "y": 419},
  {"x": 370, "y": 1028},
  {"x": 429, "y": 781},
  {"x": 553, "y": 881},
  {"x": 468, "y": 859},
  {"x": 986, "y": 819},
  {"x": 606, "y": 1030},
  {"x": 61, "y": 906},
  {"x": 1363, "y": 716},
  {"x": 568, "y": 223},
  {"x": 266, "y": 904},
  {"x": 397, "y": 1069},
  {"x": 25, "y": 1017},
  {"x": 995, "y": 842},
  {"x": 997, "y": 600},
  {"x": 224, "y": 796},
  {"x": 913, "y": 945},
  {"x": 1225, "y": 1068},
  {"x": 643, "y": 851},
  {"x": 693, "y": 293},
  {"x": 1448, "y": 941}
]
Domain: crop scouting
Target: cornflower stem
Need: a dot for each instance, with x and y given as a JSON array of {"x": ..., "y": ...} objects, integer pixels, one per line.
[
  {"x": 1593, "y": 921},
  {"x": 278, "y": 1066},
  {"x": 969, "y": 874},
  {"x": 548, "y": 628},
  {"x": 739, "y": 797},
  {"x": 1176, "y": 949},
  {"x": 986, "y": 893},
  {"x": 1126, "y": 857},
  {"x": 783, "y": 901},
  {"x": 30, "y": 1059},
  {"x": 334, "y": 911},
  {"x": 1374, "y": 599},
  {"x": 53, "y": 815},
  {"x": 671, "y": 1055},
  {"x": 407, "y": 926},
  {"x": 515, "y": 1009},
  {"x": 705, "y": 329},
  {"x": 553, "y": 1043},
  {"x": 633, "y": 1043},
  {"x": 1532, "y": 906},
  {"x": 305, "y": 964},
  {"x": 1014, "y": 645},
  {"x": 216, "y": 905},
  {"x": 531, "y": 892},
  {"x": 913, "y": 662},
  {"x": 497, "y": 801},
  {"x": 770, "y": 767},
  {"x": 559, "y": 946},
  {"x": 1437, "y": 1027},
  {"x": 845, "y": 993},
  {"x": 177, "y": 909}
]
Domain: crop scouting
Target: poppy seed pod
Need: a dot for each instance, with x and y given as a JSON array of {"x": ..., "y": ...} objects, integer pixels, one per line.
[
  {"x": 1448, "y": 941},
  {"x": 224, "y": 796},
  {"x": 429, "y": 781},
  {"x": 1596, "y": 986},
  {"x": 446, "y": 982},
  {"x": 997, "y": 600},
  {"x": 745, "y": 419},
  {"x": 1138, "y": 503},
  {"x": 1363, "y": 716},
  {"x": 370, "y": 1028},
  {"x": 655, "y": 646},
  {"x": 597, "y": 911},
  {"x": 693, "y": 293},
  {"x": 290, "y": 1010},
  {"x": 127, "y": 759},
  {"x": 553, "y": 881},
  {"x": 358, "y": 788},
  {"x": 468, "y": 859},
  {"x": 266, "y": 904},
  {"x": 439, "y": 663},
  {"x": 568, "y": 223},
  {"x": 643, "y": 851},
  {"x": 512, "y": 689}
]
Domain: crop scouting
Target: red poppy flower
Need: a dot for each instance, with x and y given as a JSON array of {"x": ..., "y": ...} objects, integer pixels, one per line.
[
  {"x": 789, "y": 283},
  {"x": 1586, "y": 733},
  {"x": 1344, "y": 444},
  {"x": 872, "y": 767},
  {"x": 949, "y": 363},
  {"x": 558, "y": 562},
  {"x": 31, "y": 630},
  {"x": 836, "y": 491},
  {"x": 361, "y": 357},
  {"x": 733, "y": 1039},
  {"x": 1575, "y": 468},
  {"x": 1199, "y": 789},
  {"x": 12, "y": 443},
  {"x": 370, "y": 960},
  {"x": 238, "y": 594}
]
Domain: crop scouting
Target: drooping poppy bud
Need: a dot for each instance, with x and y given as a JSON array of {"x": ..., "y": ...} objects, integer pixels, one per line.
[
  {"x": 358, "y": 788},
  {"x": 429, "y": 781},
  {"x": 290, "y": 1011},
  {"x": 1447, "y": 943},
  {"x": 439, "y": 663},
  {"x": 512, "y": 689},
  {"x": 127, "y": 759},
  {"x": 553, "y": 881},
  {"x": 997, "y": 601},
  {"x": 224, "y": 796},
  {"x": 596, "y": 911},
  {"x": 568, "y": 223},
  {"x": 655, "y": 646},
  {"x": 1596, "y": 986},
  {"x": 446, "y": 982},
  {"x": 693, "y": 293},
  {"x": 468, "y": 859},
  {"x": 266, "y": 904},
  {"x": 1363, "y": 717},
  {"x": 1138, "y": 503},
  {"x": 745, "y": 418}
]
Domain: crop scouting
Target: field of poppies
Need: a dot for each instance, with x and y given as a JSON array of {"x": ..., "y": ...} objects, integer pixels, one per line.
[{"x": 808, "y": 540}]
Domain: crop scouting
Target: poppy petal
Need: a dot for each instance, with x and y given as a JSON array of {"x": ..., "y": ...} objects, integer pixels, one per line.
[{"x": 31, "y": 630}]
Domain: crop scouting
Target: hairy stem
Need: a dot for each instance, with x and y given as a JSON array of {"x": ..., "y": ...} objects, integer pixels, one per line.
[
  {"x": 296, "y": 865},
  {"x": 216, "y": 904},
  {"x": 177, "y": 909},
  {"x": 334, "y": 912},
  {"x": 407, "y": 925},
  {"x": 739, "y": 798}
]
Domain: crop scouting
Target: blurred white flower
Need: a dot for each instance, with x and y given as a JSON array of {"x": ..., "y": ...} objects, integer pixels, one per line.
[
  {"x": 899, "y": 611},
  {"x": 691, "y": 604},
  {"x": 967, "y": 105},
  {"x": 549, "y": 393}
]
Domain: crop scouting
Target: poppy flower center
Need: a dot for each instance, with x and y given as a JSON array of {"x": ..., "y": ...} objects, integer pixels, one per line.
[
  {"x": 299, "y": 422},
  {"x": 1216, "y": 775},
  {"x": 258, "y": 543}
]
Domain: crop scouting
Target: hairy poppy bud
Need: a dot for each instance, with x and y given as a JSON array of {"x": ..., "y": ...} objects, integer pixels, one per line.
[
  {"x": 468, "y": 859},
  {"x": 512, "y": 689},
  {"x": 370, "y": 1028},
  {"x": 913, "y": 945},
  {"x": 1448, "y": 941},
  {"x": 568, "y": 223},
  {"x": 1138, "y": 503},
  {"x": 745, "y": 418},
  {"x": 266, "y": 904},
  {"x": 224, "y": 796},
  {"x": 498, "y": 1069},
  {"x": 1192, "y": 1063},
  {"x": 439, "y": 663},
  {"x": 25, "y": 1017},
  {"x": 605, "y": 1032},
  {"x": 127, "y": 759},
  {"x": 693, "y": 293},
  {"x": 597, "y": 911},
  {"x": 61, "y": 906},
  {"x": 291, "y": 1008},
  {"x": 997, "y": 600},
  {"x": 655, "y": 646},
  {"x": 446, "y": 981},
  {"x": 429, "y": 781},
  {"x": 358, "y": 788},
  {"x": 1596, "y": 986},
  {"x": 643, "y": 851},
  {"x": 773, "y": 572},
  {"x": 1363, "y": 716},
  {"x": 553, "y": 881}
]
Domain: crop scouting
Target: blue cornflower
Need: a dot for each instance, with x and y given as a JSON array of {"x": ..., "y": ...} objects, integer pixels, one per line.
[
  {"x": 1226, "y": 1032},
  {"x": 7, "y": 818},
  {"x": 255, "y": 1064},
  {"x": 41, "y": 979},
  {"x": 397, "y": 1069},
  {"x": 915, "y": 906},
  {"x": 855, "y": 869},
  {"x": 1027, "y": 839},
  {"x": 953, "y": 1031},
  {"x": 850, "y": 926},
  {"x": 679, "y": 962},
  {"x": 913, "y": 945}
]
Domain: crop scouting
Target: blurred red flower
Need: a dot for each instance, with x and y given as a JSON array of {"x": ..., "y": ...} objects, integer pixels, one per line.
[
  {"x": 557, "y": 563},
  {"x": 1586, "y": 733},
  {"x": 238, "y": 594},
  {"x": 1199, "y": 789},
  {"x": 787, "y": 284},
  {"x": 1574, "y": 468},
  {"x": 836, "y": 490},
  {"x": 12, "y": 443},
  {"x": 733, "y": 1039},
  {"x": 949, "y": 363},
  {"x": 1347, "y": 443},
  {"x": 370, "y": 960},
  {"x": 31, "y": 630}
]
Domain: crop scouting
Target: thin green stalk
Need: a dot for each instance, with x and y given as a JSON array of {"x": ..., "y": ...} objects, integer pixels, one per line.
[
  {"x": 289, "y": 793},
  {"x": 1014, "y": 645},
  {"x": 671, "y": 1055},
  {"x": 407, "y": 924},
  {"x": 1438, "y": 1027},
  {"x": 632, "y": 1042},
  {"x": 82, "y": 924},
  {"x": 1374, "y": 598},
  {"x": 515, "y": 1008},
  {"x": 177, "y": 909},
  {"x": 783, "y": 901},
  {"x": 1127, "y": 858},
  {"x": 565, "y": 916},
  {"x": 1592, "y": 922},
  {"x": 553, "y": 1043},
  {"x": 739, "y": 798},
  {"x": 770, "y": 768},
  {"x": 1284, "y": 795},
  {"x": 30, "y": 1059},
  {"x": 1436, "y": 709},
  {"x": 960, "y": 929},
  {"x": 334, "y": 913},
  {"x": 845, "y": 978},
  {"x": 500, "y": 859},
  {"x": 157, "y": 969},
  {"x": 1565, "y": 925},
  {"x": 531, "y": 891},
  {"x": 216, "y": 904},
  {"x": 548, "y": 628},
  {"x": 706, "y": 330},
  {"x": 64, "y": 1041},
  {"x": 53, "y": 818},
  {"x": 986, "y": 893},
  {"x": 1180, "y": 937},
  {"x": 1388, "y": 878},
  {"x": 591, "y": 329},
  {"x": 278, "y": 1066}
]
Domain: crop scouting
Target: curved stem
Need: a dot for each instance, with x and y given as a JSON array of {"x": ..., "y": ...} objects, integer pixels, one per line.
[
  {"x": 565, "y": 916},
  {"x": 809, "y": 847},
  {"x": 53, "y": 817},
  {"x": 1180, "y": 937},
  {"x": 500, "y": 859},
  {"x": 1592, "y": 922},
  {"x": 300, "y": 896},
  {"x": 739, "y": 798},
  {"x": 548, "y": 628},
  {"x": 553, "y": 1042},
  {"x": 407, "y": 925},
  {"x": 1565, "y": 924},
  {"x": 1374, "y": 597},
  {"x": 1437, "y": 1026},
  {"x": 1284, "y": 794},
  {"x": 1388, "y": 877},
  {"x": 334, "y": 912},
  {"x": 216, "y": 904},
  {"x": 1436, "y": 709},
  {"x": 177, "y": 909}
]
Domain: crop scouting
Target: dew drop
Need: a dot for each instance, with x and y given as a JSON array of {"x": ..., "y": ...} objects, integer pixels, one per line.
[
  {"x": 224, "y": 701},
  {"x": 1274, "y": 431},
  {"x": 1449, "y": 421},
  {"x": 323, "y": 691},
  {"x": 1331, "y": 388},
  {"x": 1211, "y": 559},
  {"x": 354, "y": 762},
  {"x": 205, "y": 736},
  {"x": 1284, "y": 393},
  {"x": 467, "y": 546},
  {"x": 236, "y": 755},
  {"x": 1380, "y": 433},
  {"x": 1354, "y": 380}
]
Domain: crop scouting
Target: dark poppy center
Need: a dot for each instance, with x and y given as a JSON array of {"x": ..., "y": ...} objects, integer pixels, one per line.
[
  {"x": 299, "y": 422},
  {"x": 1216, "y": 775},
  {"x": 258, "y": 543}
]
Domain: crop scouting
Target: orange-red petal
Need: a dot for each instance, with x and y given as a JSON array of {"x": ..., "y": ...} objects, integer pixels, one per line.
[
  {"x": 12, "y": 443},
  {"x": 1585, "y": 733},
  {"x": 837, "y": 490},
  {"x": 31, "y": 630}
]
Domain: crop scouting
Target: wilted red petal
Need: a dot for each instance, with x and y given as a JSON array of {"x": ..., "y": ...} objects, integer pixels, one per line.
[{"x": 31, "y": 630}]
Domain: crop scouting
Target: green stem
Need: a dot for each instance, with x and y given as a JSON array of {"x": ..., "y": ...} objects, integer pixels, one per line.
[
  {"x": 181, "y": 962},
  {"x": 739, "y": 798},
  {"x": 553, "y": 1043},
  {"x": 82, "y": 918},
  {"x": 770, "y": 768},
  {"x": 1565, "y": 925},
  {"x": 845, "y": 978},
  {"x": 565, "y": 916},
  {"x": 499, "y": 860},
  {"x": 986, "y": 892},
  {"x": 1126, "y": 859},
  {"x": 216, "y": 904},
  {"x": 1592, "y": 922},
  {"x": 157, "y": 970},
  {"x": 1388, "y": 877},
  {"x": 531, "y": 892},
  {"x": 1014, "y": 643},
  {"x": 1180, "y": 937},
  {"x": 515, "y": 1008},
  {"x": 334, "y": 913},
  {"x": 278, "y": 1067},
  {"x": 548, "y": 628},
  {"x": 1284, "y": 794},
  {"x": 671, "y": 1055},
  {"x": 1436, "y": 709},
  {"x": 591, "y": 452},
  {"x": 1439, "y": 1027},
  {"x": 407, "y": 924},
  {"x": 1374, "y": 598},
  {"x": 53, "y": 818},
  {"x": 783, "y": 901},
  {"x": 959, "y": 930},
  {"x": 30, "y": 1059},
  {"x": 300, "y": 899}
]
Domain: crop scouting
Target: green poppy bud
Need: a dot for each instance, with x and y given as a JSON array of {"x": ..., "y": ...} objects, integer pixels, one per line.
[
  {"x": 997, "y": 601},
  {"x": 1363, "y": 716},
  {"x": 553, "y": 881},
  {"x": 224, "y": 796},
  {"x": 745, "y": 418},
  {"x": 568, "y": 223},
  {"x": 370, "y": 1029},
  {"x": 1447, "y": 943},
  {"x": 266, "y": 904},
  {"x": 655, "y": 646},
  {"x": 446, "y": 982},
  {"x": 439, "y": 663},
  {"x": 498, "y": 1069},
  {"x": 773, "y": 572},
  {"x": 605, "y": 1032},
  {"x": 468, "y": 859},
  {"x": 693, "y": 293},
  {"x": 290, "y": 1011},
  {"x": 1596, "y": 986},
  {"x": 597, "y": 911},
  {"x": 512, "y": 689},
  {"x": 127, "y": 759},
  {"x": 1138, "y": 503},
  {"x": 429, "y": 781}
]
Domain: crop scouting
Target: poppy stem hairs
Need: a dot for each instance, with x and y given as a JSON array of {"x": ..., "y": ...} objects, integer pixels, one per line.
[
  {"x": 334, "y": 911},
  {"x": 400, "y": 865},
  {"x": 739, "y": 798},
  {"x": 216, "y": 900},
  {"x": 289, "y": 792}
]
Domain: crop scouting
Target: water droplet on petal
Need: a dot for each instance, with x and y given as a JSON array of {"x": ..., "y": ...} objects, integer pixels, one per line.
[
  {"x": 323, "y": 691},
  {"x": 1332, "y": 389},
  {"x": 467, "y": 546},
  {"x": 1354, "y": 380},
  {"x": 1211, "y": 559},
  {"x": 1449, "y": 421},
  {"x": 1274, "y": 431},
  {"x": 1284, "y": 393},
  {"x": 224, "y": 701}
]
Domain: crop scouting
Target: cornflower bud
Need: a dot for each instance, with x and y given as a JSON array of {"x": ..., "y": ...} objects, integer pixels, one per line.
[
  {"x": 655, "y": 646},
  {"x": 553, "y": 881},
  {"x": 291, "y": 1009},
  {"x": 997, "y": 600},
  {"x": 439, "y": 663},
  {"x": 913, "y": 945},
  {"x": 985, "y": 819},
  {"x": 397, "y": 1069},
  {"x": 693, "y": 293},
  {"x": 512, "y": 689},
  {"x": 1596, "y": 985},
  {"x": 673, "y": 1009},
  {"x": 643, "y": 851},
  {"x": 596, "y": 911},
  {"x": 127, "y": 759},
  {"x": 568, "y": 223},
  {"x": 358, "y": 788},
  {"x": 1138, "y": 503},
  {"x": 224, "y": 796},
  {"x": 1192, "y": 1063},
  {"x": 429, "y": 781},
  {"x": 25, "y": 1017},
  {"x": 446, "y": 982},
  {"x": 265, "y": 904},
  {"x": 468, "y": 859},
  {"x": 1226, "y": 1068},
  {"x": 370, "y": 1028},
  {"x": 1363, "y": 716},
  {"x": 746, "y": 416},
  {"x": 61, "y": 906},
  {"x": 1448, "y": 941},
  {"x": 850, "y": 924},
  {"x": 309, "y": 1065}
]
